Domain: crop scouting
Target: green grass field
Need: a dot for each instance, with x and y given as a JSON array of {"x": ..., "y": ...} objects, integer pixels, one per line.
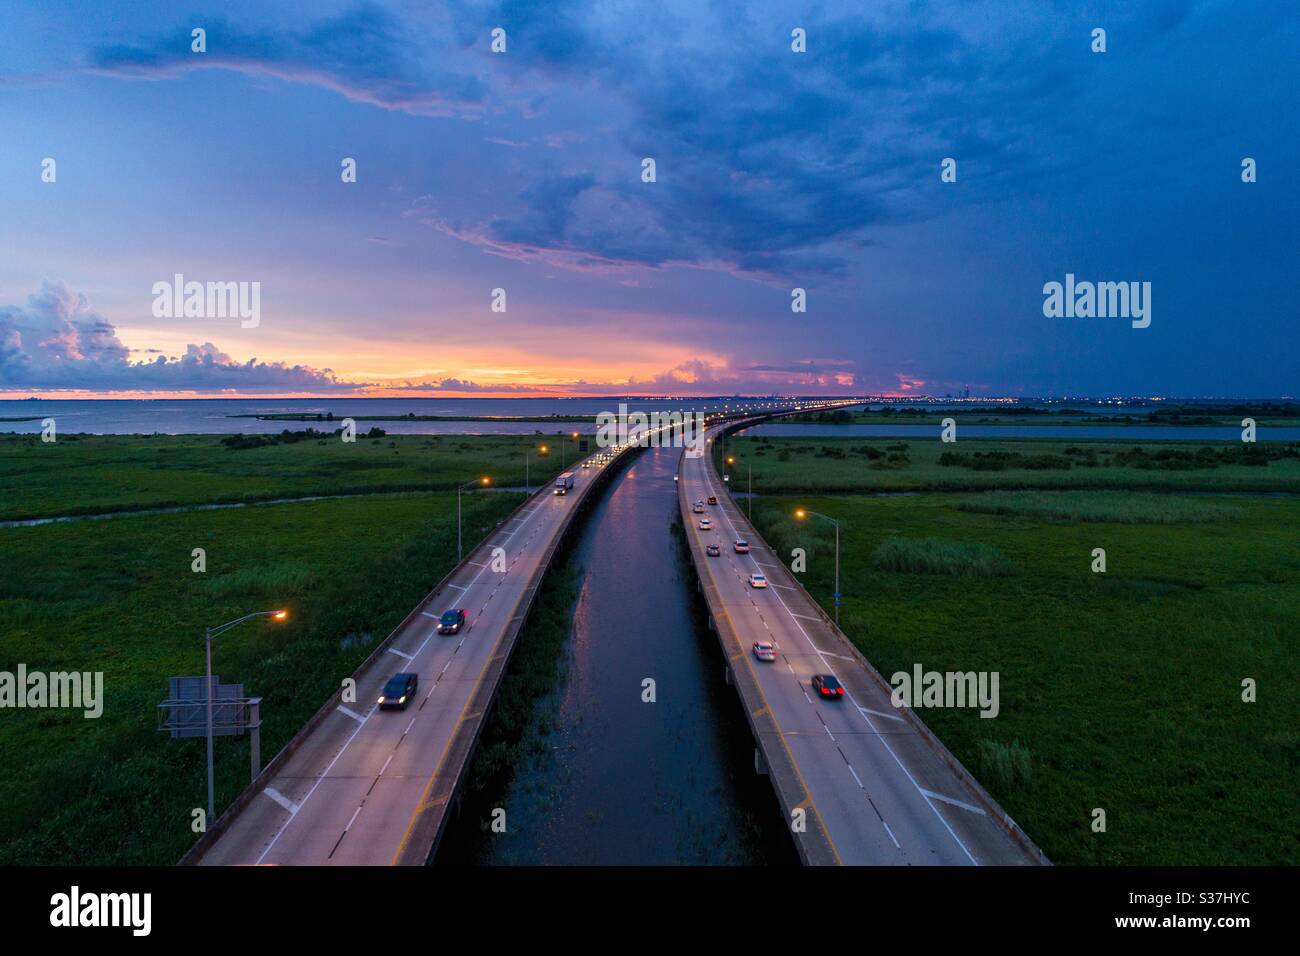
[
  {"x": 1119, "y": 690},
  {"x": 119, "y": 596},
  {"x": 86, "y": 474},
  {"x": 849, "y": 465}
]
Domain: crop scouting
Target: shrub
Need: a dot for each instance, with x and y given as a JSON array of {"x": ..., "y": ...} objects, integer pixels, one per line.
[{"x": 1004, "y": 768}]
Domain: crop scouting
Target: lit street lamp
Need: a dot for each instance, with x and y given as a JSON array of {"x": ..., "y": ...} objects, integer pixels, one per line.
[
  {"x": 459, "y": 488},
  {"x": 208, "y": 634},
  {"x": 803, "y": 513}
]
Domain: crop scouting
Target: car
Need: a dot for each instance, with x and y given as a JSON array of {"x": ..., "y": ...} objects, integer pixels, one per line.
[
  {"x": 742, "y": 546},
  {"x": 765, "y": 650},
  {"x": 757, "y": 580},
  {"x": 399, "y": 691},
  {"x": 586, "y": 464},
  {"x": 827, "y": 686},
  {"x": 451, "y": 621},
  {"x": 705, "y": 524},
  {"x": 713, "y": 499},
  {"x": 712, "y": 550},
  {"x": 698, "y": 507}
]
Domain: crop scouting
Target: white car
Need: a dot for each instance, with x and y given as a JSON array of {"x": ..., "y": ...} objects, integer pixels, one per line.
[
  {"x": 705, "y": 524},
  {"x": 757, "y": 580},
  {"x": 765, "y": 650},
  {"x": 698, "y": 508}
]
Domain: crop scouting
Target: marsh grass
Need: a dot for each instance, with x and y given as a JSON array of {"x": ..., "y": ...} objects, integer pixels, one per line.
[
  {"x": 90, "y": 474},
  {"x": 1004, "y": 768},
  {"x": 120, "y": 597},
  {"x": 1118, "y": 506},
  {"x": 1123, "y": 687},
  {"x": 935, "y": 556},
  {"x": 818, "y": 465}
]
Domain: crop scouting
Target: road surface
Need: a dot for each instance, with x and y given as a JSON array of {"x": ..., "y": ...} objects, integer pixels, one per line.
[
  {"x": 874, "y": 791},
  {"x": 372, "y": 787}
]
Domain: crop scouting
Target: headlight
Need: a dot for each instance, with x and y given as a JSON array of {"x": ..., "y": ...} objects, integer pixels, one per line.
[
  {"x": 381, "y": 700},
  {"x": 402, "y": 701}
]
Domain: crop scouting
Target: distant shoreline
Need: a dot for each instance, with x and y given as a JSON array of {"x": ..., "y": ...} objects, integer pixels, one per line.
[{"x": 330, "y": 417}]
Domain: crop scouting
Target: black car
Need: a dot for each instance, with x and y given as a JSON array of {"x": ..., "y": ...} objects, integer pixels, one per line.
[
  {"x": 451, "y": 621},
  {"x": 827, "y": 685},
  {"x": 399, "y": 691}
]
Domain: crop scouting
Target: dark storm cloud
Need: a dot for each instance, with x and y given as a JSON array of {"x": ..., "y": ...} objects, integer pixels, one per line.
[
  {"x": 363, "y": 53},
  {"x": 769, "y": 163},
  {"x": 772, "y": 163}
]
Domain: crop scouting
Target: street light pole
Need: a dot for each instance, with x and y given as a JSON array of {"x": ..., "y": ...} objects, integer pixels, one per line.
[
  {"x": 803, "y": 512},
  {"x": 208, "y": 634},
  {"x": 207, "y": 642},
  {"x": 837, "y": 574},
  {"x": 459, "y": 488}
]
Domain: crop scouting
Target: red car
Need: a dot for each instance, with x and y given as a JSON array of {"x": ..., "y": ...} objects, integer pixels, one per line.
[
  {"x": 742, "y": 546},
  {"x": 827, "y": 686},
  {"x": 712, "y": 550},
  {"x": 713, "y": 499}
]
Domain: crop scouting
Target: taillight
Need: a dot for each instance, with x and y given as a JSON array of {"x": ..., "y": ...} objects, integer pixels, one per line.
[{"x": 839, "y": 690}]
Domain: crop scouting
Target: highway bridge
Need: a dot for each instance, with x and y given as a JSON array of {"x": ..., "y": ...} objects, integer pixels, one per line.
[
  {"x": 363, "y": 786},
  {"x": 874, "y": 785}
]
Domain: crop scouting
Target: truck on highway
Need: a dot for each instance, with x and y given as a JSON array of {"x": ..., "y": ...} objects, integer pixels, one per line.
[{"x": 564, "y": 483}]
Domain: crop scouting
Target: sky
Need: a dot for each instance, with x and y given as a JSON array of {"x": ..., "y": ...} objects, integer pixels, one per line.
[{"x": 774, "y": 170}]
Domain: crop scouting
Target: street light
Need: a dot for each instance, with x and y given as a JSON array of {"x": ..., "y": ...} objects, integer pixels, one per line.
[
  {"x": 528, "y": 487},
  {"x": 208, "y": 634},
  {"x": 459, "y": 488},
  {"x": 802, "y": 513}
]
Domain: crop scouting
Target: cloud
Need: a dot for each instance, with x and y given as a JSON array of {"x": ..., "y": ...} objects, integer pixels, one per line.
[
  {"x": 57, "y": 342},
  {"x": 460, "y": 386},
  {"x": 772, "y": 164},
  {"x": 695, "y": 377},
  {"x": 363, "y": 53},
  {"x": 722, "y": 377}
]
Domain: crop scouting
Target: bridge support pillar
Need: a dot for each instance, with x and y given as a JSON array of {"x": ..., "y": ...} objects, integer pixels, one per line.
[{"x": 760, "y": 765}]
